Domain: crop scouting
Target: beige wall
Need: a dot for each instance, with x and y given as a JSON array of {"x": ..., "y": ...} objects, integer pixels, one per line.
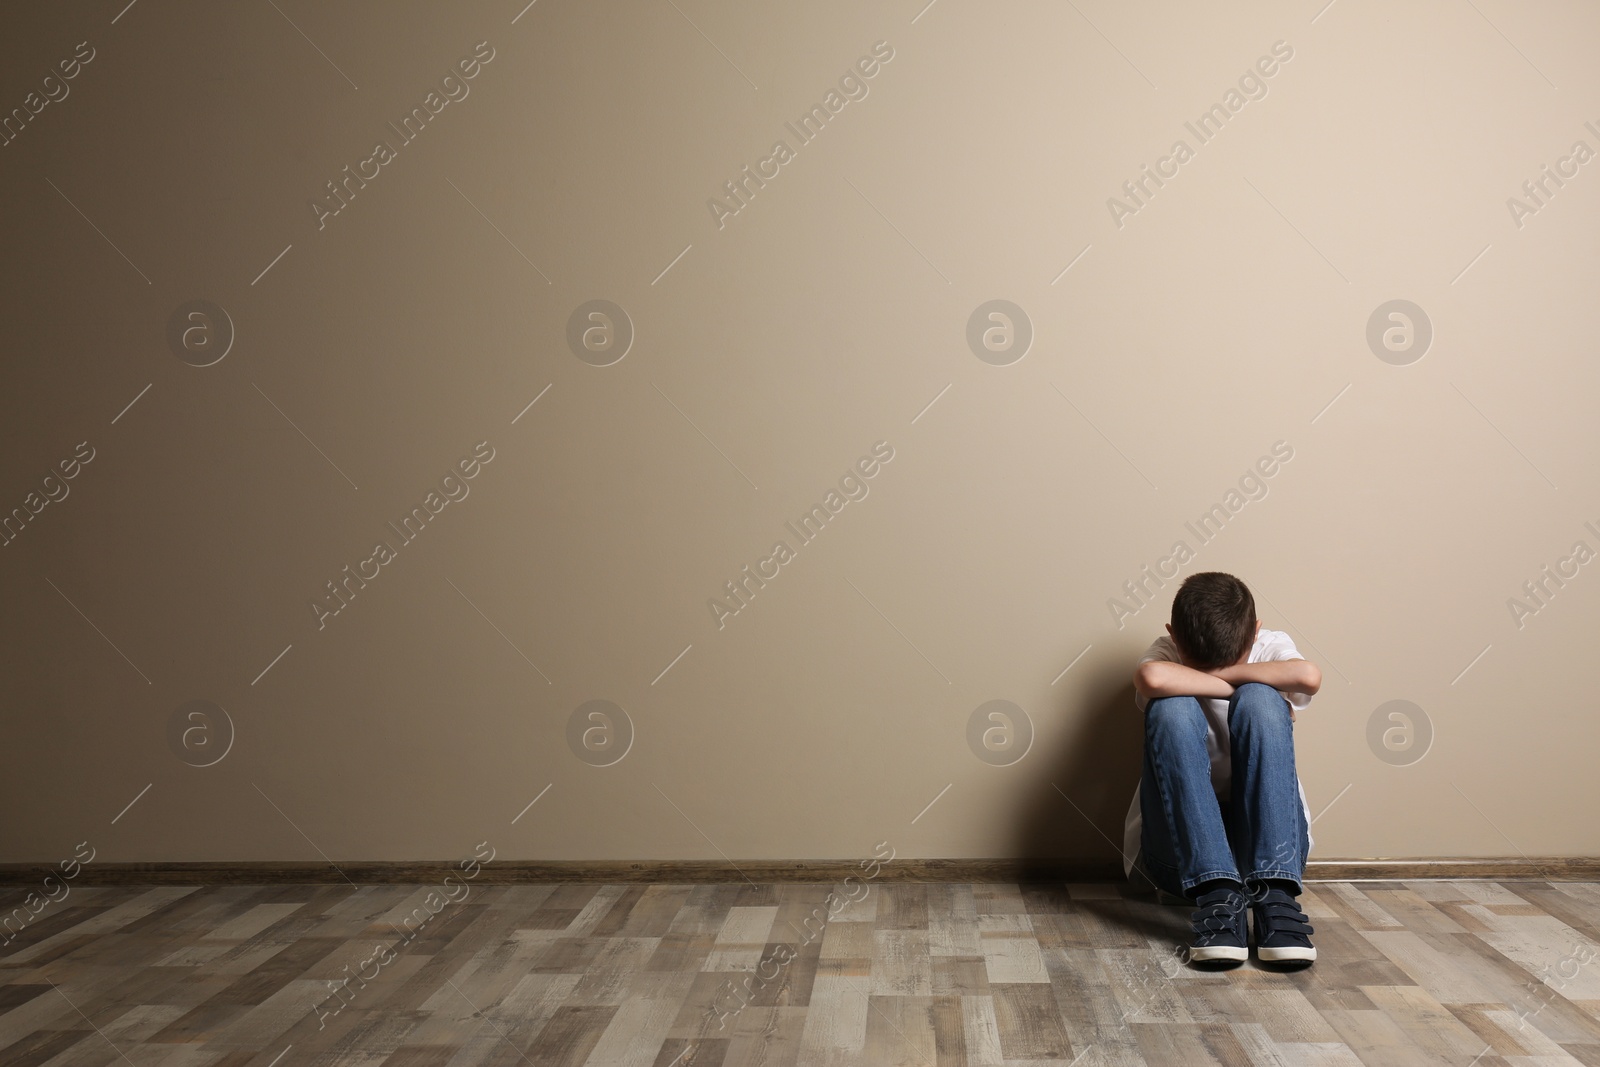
[{"x": 1227, "y": 313}]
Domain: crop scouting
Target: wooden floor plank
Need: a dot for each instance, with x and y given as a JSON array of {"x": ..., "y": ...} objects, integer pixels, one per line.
[{"x": 1030, "y": 1024}]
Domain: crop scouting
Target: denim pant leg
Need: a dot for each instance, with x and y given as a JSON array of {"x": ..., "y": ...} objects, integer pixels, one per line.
[
  {"x": 1184, "y": 840},
  {"x": 1266, "y": 825}
]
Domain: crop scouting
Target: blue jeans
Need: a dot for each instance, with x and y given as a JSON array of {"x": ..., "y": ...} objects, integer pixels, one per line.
[{"x": 1189, "y": 836}]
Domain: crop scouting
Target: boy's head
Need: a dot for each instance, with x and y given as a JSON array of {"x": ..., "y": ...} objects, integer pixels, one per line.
[{"x": 1213, "y": 620}]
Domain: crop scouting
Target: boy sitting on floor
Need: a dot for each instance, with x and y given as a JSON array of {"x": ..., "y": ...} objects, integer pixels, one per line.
[{"x": 1220, "y": 795}]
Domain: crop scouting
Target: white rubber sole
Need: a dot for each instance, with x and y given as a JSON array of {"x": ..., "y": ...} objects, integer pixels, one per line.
[
  {"x": 1213, "y": 953},
  {"x": 1286, "y": 955}
]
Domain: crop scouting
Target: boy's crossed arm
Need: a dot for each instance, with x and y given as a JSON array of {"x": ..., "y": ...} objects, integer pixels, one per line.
[{"x": 1163, "y": 678}]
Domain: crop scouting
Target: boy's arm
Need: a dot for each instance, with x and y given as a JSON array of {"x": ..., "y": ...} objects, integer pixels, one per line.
[
  {"x": 1164, "y": 678},
  {"x": 1298, "y": 675}
]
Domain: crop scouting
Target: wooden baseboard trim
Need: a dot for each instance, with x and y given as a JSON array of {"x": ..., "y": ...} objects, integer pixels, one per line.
[
  {"x": 1499, "y": 869},
  {"x": 509, "y": 872}
]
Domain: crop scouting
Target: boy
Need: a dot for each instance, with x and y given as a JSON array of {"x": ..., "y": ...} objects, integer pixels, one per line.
[{"x": 1220, "y": 795}]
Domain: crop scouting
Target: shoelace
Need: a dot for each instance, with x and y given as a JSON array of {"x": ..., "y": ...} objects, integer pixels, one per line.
[{"x": 1284, "y": 917}]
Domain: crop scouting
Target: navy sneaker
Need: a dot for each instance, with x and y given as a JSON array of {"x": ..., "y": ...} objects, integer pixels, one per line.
[
  {"x": 1281, "y": 929},
  {"x": 1219, "y": 927}
]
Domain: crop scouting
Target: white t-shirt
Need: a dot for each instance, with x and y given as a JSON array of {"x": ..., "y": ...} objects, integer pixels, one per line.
[{"x": 1269, "y": 645}]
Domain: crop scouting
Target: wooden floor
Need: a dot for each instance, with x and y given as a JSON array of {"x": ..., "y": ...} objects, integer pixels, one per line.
[{"x": 1460, "y": 973}]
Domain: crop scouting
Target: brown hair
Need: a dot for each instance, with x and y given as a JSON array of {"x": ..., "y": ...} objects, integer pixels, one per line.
[{"x": 1213, "y": 619}]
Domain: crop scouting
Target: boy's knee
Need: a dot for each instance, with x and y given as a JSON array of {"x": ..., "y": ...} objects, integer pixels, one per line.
[
  {"x": 1260, "y": 703},
  {"x": 1256, "y": 691},
  {"x": 1173, "y": 713}
]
